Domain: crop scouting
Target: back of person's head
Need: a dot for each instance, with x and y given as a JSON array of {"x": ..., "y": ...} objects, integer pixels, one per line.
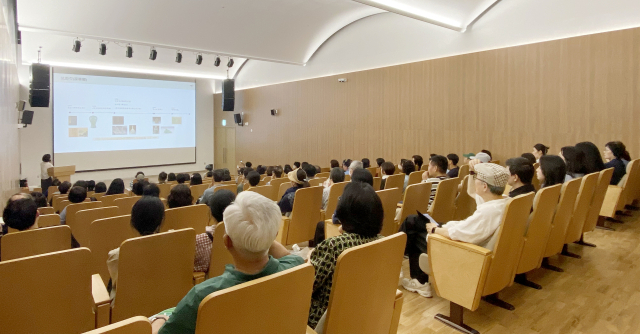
[
  {"x": 46, "y": 158},
  {"x": 116, "y": 187},
  {"x": 151, "y": 189},
  {"x": 287, "y": 169},
  {"x": 355, "y": 165},
  {"x": 248, "y": 164},
  {"x": 521, "y": 167},
  {"x": 440, "y": 162},
  {"x": 360, "y": 210},
  {"x": 553, "y": 168},
  {"x": 253, "y": 178},
  {"x": 20, "y": 212},
  {"x": 64, "y": 187},
  {"x": 77, "y": 194},
  {"x": 252, "y": 222},
  {"x": 379, "y": 161},
  {"x": 101, "y": 187},
  {"x": 346, "y": 163},
  {"x": 270, "y": 171},
  {"x": 297, "y": 164},
  {"x": 310, "y": 170},
  {"x": 454, "y": 158},
  {"x": 362, "y": 175},
  {"x": 171, "y": 177},
  {"x": 408, "y": 167},
  {"x": 574, "y": 159},
  {"x": 592, "y": 158},
  {"x": 530, "y": 157},
  {"x": 196, "y": 179},
  {"x": 542, "y": 148},
  {"x": 138, "y": 187},
  {"x": 418, "y": 161},
  {"x": 366, "y": 163},
  {"x": 388, "y": 168},
  {"x": 91, "y": 185},
  {"x": 336, "y": 175},
  {"x": 617, "y": 148},
  {"x": 488, "y": 153},
  {"x": 162, "y": 177},
  {"x": 277, "y": 172},
  {"x": 335, "y": 163},
  {"x": 219, "y": 201},
  {"x": 218, "y": 175},
  {"x": 40, "y": 199},
  {"x": 81, "y": 183},
  {"x": 179, "y": 196},
  {"x": 261, "y": 170},
  {"x": 147, "y": 215}
]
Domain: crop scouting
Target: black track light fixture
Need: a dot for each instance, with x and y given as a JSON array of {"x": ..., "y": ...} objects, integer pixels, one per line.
[
  {"x": 76, "y": 45},
  {"x": 128, "y": 51},
  {"x": 102, "y": 49},
  {"x": 216, "y": 62},
  {"x": 198, "y": 59},
  {"x": 230, "y": 63},
  {"x": 178, "y": 56},
  {"x": 153, "y": 53}
]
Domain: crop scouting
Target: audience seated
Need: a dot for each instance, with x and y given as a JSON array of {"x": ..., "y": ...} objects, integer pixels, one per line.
[
  {"x": 539, "y": 150},
  {"x": 387, "y": 169},
  {"x": 613, "y": 152},
  {"x": 251, "y": 225},
  {"x": 436, "y": 172},
  {"x": 574, "y": 161},
  {"x": 196, "y": 179},
  {"x": 180, "y": 196},
  {"x": 521, "y": 171},
  {"x": 345, "y": 166},
  {"x": 452, "y": 162},
  {"x": 379, "y": 161},
  {"x": 171, "y": 177},
  {"x": 40, "y": 199},
  {"x": 407, "y": 168},
  {"x": 101, "y": 187},
  {"x": 335, "y": 176},
  {"x": 310, "y": 170},
  {"x": 334, "y": 164},
  {"x": 297, "y": 179},
  {"x": 76, "y": 195},
  {"x": 218, "y": 176},
  {"x": 418, "y": 162},
  {"x": 366, "y": 163},
  {"x": 116, "y": 187},
  {"x": 361, "y": 214},
  {"x": 529, "y": 156},
  {"x": 151, "y": 189},
  {"x": 487, "y": 188},
  {"x": 552, "y": 170},
  {"x": 20, "y": 213}
]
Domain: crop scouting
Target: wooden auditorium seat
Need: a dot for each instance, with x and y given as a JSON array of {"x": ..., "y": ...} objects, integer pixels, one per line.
[
  {"x": 125, "y": 204},
  {"x": 462, "y": 273},
  {"x": 416, "y": 198},
  {"x": 133, "y": 325},
  {"x": 231, "y": 187},
  {"x": 196, "y": 217},
  {"x": 335, "y": 192},
  {"x": 279, "y": 303},
  {"x": 105, "y": 235},
  {"x": 47, "y": 210},
  {"x": 266, "y": 191},
  {"x": 394, "y": 181},
  {"x": 596, "y": 204},
  {"x": 580, "y": 211},
  {"x": 81, "y": 224},
  {"x": 35, "y": 242},
  {"x": 390, "y": 199},
  {"x": 197, "y": 191},
  {"x": 465, "y": 205},
  {"x": 301, "y": 225},
  {"x": 415, "y": 177},
  {"x": 48, "y": 220},
  {"x": 443, "y": 207}
]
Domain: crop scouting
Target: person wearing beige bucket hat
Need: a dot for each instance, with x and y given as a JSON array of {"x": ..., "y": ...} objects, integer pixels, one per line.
[{"x": 489, "y": 181}]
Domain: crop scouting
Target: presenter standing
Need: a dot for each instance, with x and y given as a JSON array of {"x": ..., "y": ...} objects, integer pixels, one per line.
[{"x": 45, "y": 179}]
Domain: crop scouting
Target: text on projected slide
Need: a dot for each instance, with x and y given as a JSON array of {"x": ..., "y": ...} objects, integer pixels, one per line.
[{"x": 98, "y": 113}]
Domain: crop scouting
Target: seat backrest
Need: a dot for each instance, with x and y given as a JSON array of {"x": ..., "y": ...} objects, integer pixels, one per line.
[
  {"x": 81, "y": 224},
  {"x": 72, "y": 209},
  {"x": 443, "y": 207},
  {"x": 36, "y": 291},
  {"x": 231, "y": 187},
  {"x": 415, "y": 177},
  {"x": 196, "y": 217},
  {"x": 354, "y": 266},
  {"x": 34, "y": 242},
  {"x": 416, "y": 197},
  {"x": 463, "y": 171},
  {"x": 598, "y": 198},
  {"x": 465, "y": 204},
  {"x": 220, "y": 256},
  {"x": 539, "y": 227},
  {"x": 377, "y": 183},
  {"x": 279, "y": 304},
  {"x": 305, "y": 215},
  {"x": 198, "y": 190},
  {"x": 133, "y": 325},
  {"x": 105, "y": 235},
  {"x": 283, "y": 188},
  {"x": 165, "y": 189},
  {"x": 389, "y": 199},
  {"x": 581, "y": 207},
  {"x": 154, "y": 273},
  {"x": 48, "y": 220},
  {"x": 562, "y": 217},
  {"x": 508, "y": 246},
  {"x": 395, "y": 181},
  {"x": 47, "y": 210},
  {"x": 108, "y": 200},
  {"x": 125, "y": 204},
  {"x": 266, "y": 191},
  {"x": 335, "y": 192},
  {"x": 317, "y": 181}
]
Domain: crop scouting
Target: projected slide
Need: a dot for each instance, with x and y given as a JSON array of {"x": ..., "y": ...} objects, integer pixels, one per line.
[{"x": 98, "y": 116}]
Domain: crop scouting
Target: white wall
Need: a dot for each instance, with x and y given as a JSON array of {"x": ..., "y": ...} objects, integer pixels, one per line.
[
  {"x": 390, "y": 39},
  {"x": 37, "y": 140}
]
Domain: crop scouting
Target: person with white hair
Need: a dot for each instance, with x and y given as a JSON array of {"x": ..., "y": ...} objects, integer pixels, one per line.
[{"x": 251, "y": 224}]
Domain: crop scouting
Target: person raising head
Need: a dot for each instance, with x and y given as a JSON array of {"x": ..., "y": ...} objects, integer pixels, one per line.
[
  {"x": 179, "y": 196},
  {"x": 297, "y": 178},
  {"x": 613, "y": 153},
  {"x": 574, "y": 160},
  {"x": 552, "y": 170},
  {"x": 539, "y": 150},
  {"x": 521, "y": 171}
]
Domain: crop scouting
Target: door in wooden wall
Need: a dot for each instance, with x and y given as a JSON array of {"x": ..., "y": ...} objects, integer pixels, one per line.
[{"x": 225, "y": 149}]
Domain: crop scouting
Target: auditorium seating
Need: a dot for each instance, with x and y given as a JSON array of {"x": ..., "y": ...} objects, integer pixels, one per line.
[
  {"x": 443, "y": 207},
  {"x": 561, "y": 220},
  {"x": 416, "y": 198},
  {"x": 389, "y": 199},
  {"x": 81, "y": 223},
  {"x": 34, "y": 242},
  {"x": 125, "y": 204},
  {"x": 415, "y": 177},
  {"x": 465, "y": 205},
  {"x": 394, "y": 181},
  {"x": 133, "y": 325},
  {"x": 332, "y": 203},
  {"x": 48, "y": 220},
  {"x": 105, "y": 235},
  {"x": 596, "y": 204},
  {"x": 197, "y": 217},
  {"x": 580, "y": 211},
  {"x": 301, "y": 225}
]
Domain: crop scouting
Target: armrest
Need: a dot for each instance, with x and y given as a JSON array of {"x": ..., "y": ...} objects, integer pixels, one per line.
[
  {"x": 284, "y": 231},
  {"x": 458, "y": 269},
  {"x": 610, "y": 202},
  {"x": 101, "y": 300}
]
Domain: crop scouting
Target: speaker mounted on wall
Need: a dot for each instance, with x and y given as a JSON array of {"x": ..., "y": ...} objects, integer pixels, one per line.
[
  {"x": 39, "y": 89},
  {"x": 228, "y": 95}
]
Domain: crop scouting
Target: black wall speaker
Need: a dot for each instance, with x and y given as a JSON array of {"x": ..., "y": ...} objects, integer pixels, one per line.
[
  {"x": 27, "y": 117},
  {"x": 228, "y": 95},
  {"x": 238, "y": 119},
  {"x": 39, "y": 88}
]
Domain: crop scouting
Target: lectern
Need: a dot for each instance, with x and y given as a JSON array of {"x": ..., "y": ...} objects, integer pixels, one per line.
[{"x": 62, "y": 173}]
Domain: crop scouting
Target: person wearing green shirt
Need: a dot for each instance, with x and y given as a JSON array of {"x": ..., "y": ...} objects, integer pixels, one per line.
[{"x": 251, "y": 226}]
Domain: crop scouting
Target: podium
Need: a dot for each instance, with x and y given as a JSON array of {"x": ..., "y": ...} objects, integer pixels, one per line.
[{"x": 62, "y": 173}]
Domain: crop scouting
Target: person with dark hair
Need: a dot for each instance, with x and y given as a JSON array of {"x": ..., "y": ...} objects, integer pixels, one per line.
[
  {"x": 452, "y": 164},
  {"x": 310, "y": 170},
  {"x": 45, "y": 179},
  {"x": 40, "y": 199},
  {"x": 248, "y": 164},
  {"x": 76, "y": 195},
  {"x": 182, "y": 178},
  {"x": 574, "y": 159},
  {"x": 418, "y": 161},
  {"x": 91, "y": 185},
  {"x": 408, "y": 167},
  {"x": 297, "y": 179},
  {"x": 366, "y": 163},
  {"x": 361, "y": 214},
  {"x": 162, "y": 178},
  {"x": 179, "y": 196},
  {"x": 529, "y": 156},
  {"x": 521, "y": 171},
  {"x": 487, "y": 188},
  {"x": 613, "y": 152},
  {"x": 592, "y": 159},
  {"x": 171, "y": 177},
  {"x": 379, "y": 161},
  {"x": 196, "y": 179},
  {"x": 362, "y": 175},
  {"x": 335, "y": 176},
  {"x": 436, "y": 172},
  {"x": 138, "y": 187},
  {"x": 552, "y": 170},
  {"x": 386, "y": 169},
  {"x": 346, "y": 163},
  {"x": 151, "y": 189},
  {"x": 116, "y": 187},
  {"x": 253, "y": 178},
  {"x": 218, "y": 177},
  {"x": 539, "y": 150},
  {"x": 101, "y": 187},
  {"x": 334, "y": 164},
  {"x": 296, "y": 164},
  {"x": 287, "y": 169}
]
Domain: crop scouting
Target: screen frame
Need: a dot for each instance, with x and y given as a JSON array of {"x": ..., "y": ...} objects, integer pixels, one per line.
[{"x": 132, "y": 75}]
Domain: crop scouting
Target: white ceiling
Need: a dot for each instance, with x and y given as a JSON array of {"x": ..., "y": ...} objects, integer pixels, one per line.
[{"x": 283, "y": 31}]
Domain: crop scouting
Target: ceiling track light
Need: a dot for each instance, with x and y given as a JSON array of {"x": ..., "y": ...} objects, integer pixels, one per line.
[
  {"x": 216, "y": 62},
  {"x": 76, "y": 45},
  {"x": 153, "y": 53},
  {"x": 198, "y": 59},
  {"x": 128, "y": 52},
  {"x": 178, "y": 56},
  {"x": 102, "y": 49},
  {"x": 230, "y": 63}
]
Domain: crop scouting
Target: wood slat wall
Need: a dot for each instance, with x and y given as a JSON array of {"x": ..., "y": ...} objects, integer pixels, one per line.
[{"x": 557, "y": 92}]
